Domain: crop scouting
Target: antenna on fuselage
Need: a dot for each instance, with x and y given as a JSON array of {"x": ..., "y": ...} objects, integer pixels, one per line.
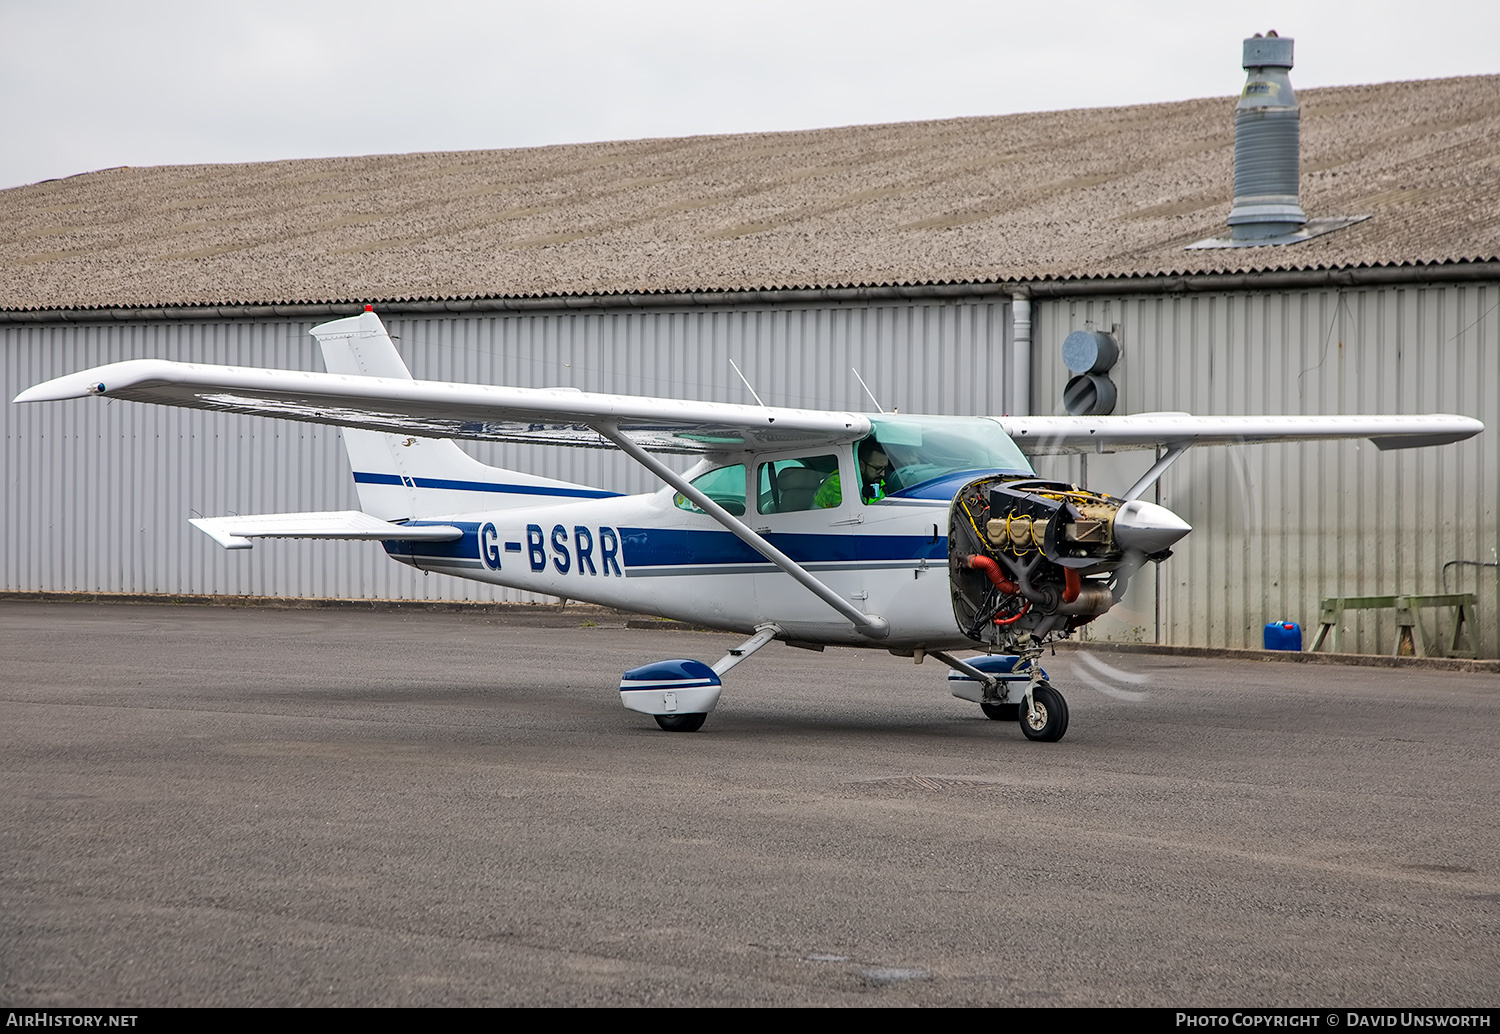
[
  {"x": 747, "y": 382},
  {"x": 868, "y": 392}
]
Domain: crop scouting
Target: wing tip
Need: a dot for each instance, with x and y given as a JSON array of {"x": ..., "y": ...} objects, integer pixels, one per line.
[
  {"x": 1460, "y": 428},
  {"x": 73, "y": 386}
]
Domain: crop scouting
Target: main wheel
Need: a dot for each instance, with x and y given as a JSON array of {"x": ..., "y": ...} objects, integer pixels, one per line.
[
  {"x": 1051, "y": 719},
  {"x": 682, "y": 722},
  {"x": 1001, "y": 712}
]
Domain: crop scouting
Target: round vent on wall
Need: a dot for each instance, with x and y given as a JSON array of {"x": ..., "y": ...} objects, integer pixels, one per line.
[{"x": 1089, "y": 354}]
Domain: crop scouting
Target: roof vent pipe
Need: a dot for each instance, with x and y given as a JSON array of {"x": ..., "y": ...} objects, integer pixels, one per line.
[{"x": 1267, "y": 132}]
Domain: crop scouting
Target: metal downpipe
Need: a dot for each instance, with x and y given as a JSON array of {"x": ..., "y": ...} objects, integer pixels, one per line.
[{"x": 1019, "y": 403}]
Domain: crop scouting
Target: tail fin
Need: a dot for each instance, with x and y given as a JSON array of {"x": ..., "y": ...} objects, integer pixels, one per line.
[{"x": 399, "y": 477}]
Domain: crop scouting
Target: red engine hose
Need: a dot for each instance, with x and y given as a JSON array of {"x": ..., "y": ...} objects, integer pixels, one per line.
[
  {"x": 1014, "y": 617},
  {"x": 1072, "y": 585},
  {"x": 992, "y": 572},
  {"x": 1004, "y": 584}
]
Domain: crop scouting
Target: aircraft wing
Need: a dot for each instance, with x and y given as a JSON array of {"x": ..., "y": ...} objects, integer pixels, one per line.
[
  {"x": 433, "y": 409},
  {"x": 565, "y": 416},
  {"x": 1053, "y": 435}
]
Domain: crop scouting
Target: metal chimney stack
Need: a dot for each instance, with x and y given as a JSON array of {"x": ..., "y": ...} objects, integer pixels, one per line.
[{"x": 1267, "y": 135}]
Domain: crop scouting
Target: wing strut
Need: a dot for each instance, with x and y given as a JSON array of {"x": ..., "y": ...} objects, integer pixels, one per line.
[
  {"x": 872, "y": 625},
  {"x": 1157, "y": 469}
]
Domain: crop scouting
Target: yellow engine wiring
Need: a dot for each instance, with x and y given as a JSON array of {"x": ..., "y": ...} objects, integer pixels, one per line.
[{"x": 984, "y": 542}]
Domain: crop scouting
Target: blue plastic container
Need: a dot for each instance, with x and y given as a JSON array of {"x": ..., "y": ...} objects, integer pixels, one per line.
[{"x": 1284, "y": 635}]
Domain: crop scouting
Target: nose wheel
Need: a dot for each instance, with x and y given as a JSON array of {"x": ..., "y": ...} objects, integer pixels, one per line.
[
  {"x": 1047, "y": 718},
  {"x": 681, "y": 722}
]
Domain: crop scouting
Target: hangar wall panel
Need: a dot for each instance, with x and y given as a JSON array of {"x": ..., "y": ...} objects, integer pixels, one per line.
[
  {"x": 97, "y": 495},
  {"x": 1280, "y": 527}
]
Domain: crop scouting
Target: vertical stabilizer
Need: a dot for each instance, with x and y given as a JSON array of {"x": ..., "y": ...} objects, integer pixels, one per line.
[{"x": 399, "y": 476}]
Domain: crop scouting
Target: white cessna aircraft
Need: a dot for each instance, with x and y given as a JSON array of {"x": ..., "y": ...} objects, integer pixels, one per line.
[{"x": 918, "y": 535}]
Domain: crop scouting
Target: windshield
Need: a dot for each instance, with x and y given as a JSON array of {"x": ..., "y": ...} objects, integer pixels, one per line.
[{"x": 922, "y": 448}]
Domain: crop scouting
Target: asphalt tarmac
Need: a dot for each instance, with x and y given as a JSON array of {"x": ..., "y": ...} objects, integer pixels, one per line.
[{"x": 211, "y": 807}]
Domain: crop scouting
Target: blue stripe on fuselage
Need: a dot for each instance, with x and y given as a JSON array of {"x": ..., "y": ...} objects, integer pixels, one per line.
[
  {"x": 665, "y": 547},
  {"x": 466, "y": 548},
  {"x": 661, "y": 547},
  {"x": 364, "y": 478}
]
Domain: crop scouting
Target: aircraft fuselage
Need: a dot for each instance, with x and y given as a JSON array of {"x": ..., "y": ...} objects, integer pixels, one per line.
[{"x": 644, "y": 553}]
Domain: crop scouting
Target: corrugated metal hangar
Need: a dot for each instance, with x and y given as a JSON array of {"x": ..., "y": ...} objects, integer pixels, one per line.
[{"x": 945, "y": 261}]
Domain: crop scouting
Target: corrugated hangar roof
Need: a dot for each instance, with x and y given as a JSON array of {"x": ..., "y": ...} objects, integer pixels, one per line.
[{"x": 1103, "y": 192}]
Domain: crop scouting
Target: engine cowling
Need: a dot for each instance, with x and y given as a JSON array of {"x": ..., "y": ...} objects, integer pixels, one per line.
[{"x": 1028, "y": 555}]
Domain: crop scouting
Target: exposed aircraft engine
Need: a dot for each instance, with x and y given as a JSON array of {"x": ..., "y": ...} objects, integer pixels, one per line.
[{"x": 1034, "y": 556}]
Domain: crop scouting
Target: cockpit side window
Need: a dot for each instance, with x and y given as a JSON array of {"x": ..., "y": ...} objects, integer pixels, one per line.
[
  {"x": 724, "y": 485},
  {"x": 804, "y": 483}
]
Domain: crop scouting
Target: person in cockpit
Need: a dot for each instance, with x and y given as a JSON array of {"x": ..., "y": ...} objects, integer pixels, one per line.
[{"x": 874, "y": 470}]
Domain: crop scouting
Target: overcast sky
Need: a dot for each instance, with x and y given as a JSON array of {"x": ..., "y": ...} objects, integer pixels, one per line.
[{"x": 88, "y": 85}]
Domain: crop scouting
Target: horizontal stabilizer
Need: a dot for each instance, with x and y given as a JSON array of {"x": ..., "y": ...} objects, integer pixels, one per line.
[{"x": 236, "y": 532}]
